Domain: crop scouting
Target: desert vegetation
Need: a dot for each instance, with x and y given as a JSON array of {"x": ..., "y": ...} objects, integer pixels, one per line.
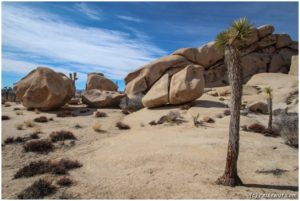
[
  {"x": 41, "y": 119},
  {"x": 100, "y": 114},
  {"x": 122, "y": 126},
  {"x": 38, "y": 190},
  {"x": 62, "y": 136},
  {"x": 39, "y": 146},
  {"x": 5, "y": 117}
]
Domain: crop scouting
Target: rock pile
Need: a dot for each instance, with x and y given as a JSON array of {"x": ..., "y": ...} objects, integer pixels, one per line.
[{"x": 178, "y": 78}]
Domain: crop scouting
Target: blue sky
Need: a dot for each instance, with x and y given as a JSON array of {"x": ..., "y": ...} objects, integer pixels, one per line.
[{"x": 116, "y": 38}]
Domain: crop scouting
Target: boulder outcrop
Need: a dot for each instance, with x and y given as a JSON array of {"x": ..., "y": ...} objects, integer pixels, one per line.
[
  {"x": 44, "y": 89},
  {"x": 98, "y": 81},
  {"x": 101, "y": 99}
]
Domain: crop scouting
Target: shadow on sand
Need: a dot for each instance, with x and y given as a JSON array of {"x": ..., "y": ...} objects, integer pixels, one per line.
[{"x": 275, "y": 187}]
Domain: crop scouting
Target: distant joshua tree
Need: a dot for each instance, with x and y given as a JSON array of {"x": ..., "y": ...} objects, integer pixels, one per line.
[
  {"x": 268, "y": 92},
  {"x": 231, "y": 41},
  {"x": 73, "y": 77}
]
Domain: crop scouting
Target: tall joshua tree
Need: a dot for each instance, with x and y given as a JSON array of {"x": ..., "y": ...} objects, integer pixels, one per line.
[
  {"x": 268, "y": 91},
  {"x": 231, "y": 41}
]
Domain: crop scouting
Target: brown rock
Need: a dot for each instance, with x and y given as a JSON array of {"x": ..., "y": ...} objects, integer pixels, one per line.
[
  {"x": 99, "y": 99},
  {"x": 259, "y": 107},
  {"x": 98, "y": 81},
  {"x": 267, "y": 41},
  {"x": 277, "y": 62},
  {"x": 44, "y": 89},
  {"x": 265, "y": 30},
  {"x": 186, "y": 85},
  {"x": 294, "y": 45},
  {"x": 283, "y": 40},
  {"x": 254, "y": 63}
]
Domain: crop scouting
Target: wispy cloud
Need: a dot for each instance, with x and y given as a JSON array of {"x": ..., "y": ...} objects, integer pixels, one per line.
[
  {"x": 43, "y": 38},
  {"x": 88, "y": 11},
  {"x": 129, "y": 18}
]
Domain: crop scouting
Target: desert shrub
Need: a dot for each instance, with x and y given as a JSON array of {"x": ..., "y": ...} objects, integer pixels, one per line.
[
  {"x": 19, "y": 113},
  {"x": 208, "y": 119},
  {"x": 226, "y": 112},
  {"x": 62, "y": 135},
  {"x": 196, "y": 122},
  {"x": 100, "y": 114},
  {"x": 5, "y": 117},
  {"x": 9, "y": 140},
  {"x": 37, "y": 190},
  {"x": 287, "y": 126},
  {"x": 19, "y": 140},
  {"x": 65, "y": 181},
  {"x": 122, "y": 126},
  {"x": 29, "y": 124},
  {"x": 77, "y": 126},
  {"x": 275, "y": 172},
  {"x": 17, "y": 108},
  {"x": 98, "y": 127},
  {"x": 51, "y": 119},
  {"x": 41, "y": 146},
  {"x": 7, "y": 104},
  {"x": 257, "y": 128},
  {"x": 19, "y": 126},
  {"x": 41, "y": 119},
  {"x": 41, "y": 167},
  {"x": 65, "y": 113},
  {"x": 171, "y": 117},
  {"x": 34, "y": 136},
  {"x": 152, "y": 123}
]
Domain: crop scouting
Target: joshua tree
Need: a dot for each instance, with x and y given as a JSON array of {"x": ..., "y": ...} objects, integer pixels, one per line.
[
  {"x": 268, "y": 91},
  {"x": 73, "y": 77},
  {"x": 231, "y": 41}
]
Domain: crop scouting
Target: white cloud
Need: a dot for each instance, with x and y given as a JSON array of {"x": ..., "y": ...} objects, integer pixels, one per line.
[
  {"x": 39, "y": 36},
  {"x": 88, "y": 11},
  {"x": 129, "y": 18}
]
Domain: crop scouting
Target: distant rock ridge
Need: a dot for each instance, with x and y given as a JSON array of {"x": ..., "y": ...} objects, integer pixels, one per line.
[{"x": 262, "y": 52}]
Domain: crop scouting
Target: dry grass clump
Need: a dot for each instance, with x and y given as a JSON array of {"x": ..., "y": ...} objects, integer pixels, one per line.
[
  {"x": 51, "y": 119},
  {"x": 122, "y": 126},
  {"x": 100, "y": 114},
  {"x": 29, "y": 124},
  {"x": 19, "y": 113},
  {"x": 196, "y": 122},
  {"x": 208, "y": 119},
  {"x": 17, "y": 108},
  {"x": 98, "y": 127},
  {"x": 62, "y": 136},
  {"x": 7, "y": 104},
  {"x": 9, "y": 140},
  {"x": 37, "y": 190},
  {"x": 65, "y": 113},
  {"x": 41, "y": 167},
  {"x": 5, "y": 117},
  {"x": 41, "y": 119},
  {"x": 65, "y": 181},
  {"x": 19, "y": 126},
  {"x": 256, "y": 127},
  {"x": 40, "y": 146}
]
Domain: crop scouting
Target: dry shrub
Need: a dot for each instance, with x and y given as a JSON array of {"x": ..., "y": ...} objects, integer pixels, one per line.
[
  {"x": 196, "y": 122},
  {"x": 171, "y": 117},
  {"x": 17, "y": 108},
  {"x": 227, "y": 112},
  {"x": 208, "y": 119},
  {"x": 41, "y": 167},
  {"x": 29, "y": 124},
  {"x": 77, "y": 126},
  {"x": 51, "y": 119},
  {"x": 257, "y": 128},
  {"x": 62, "y": 136},
  {"x": 34, "y": 136},
  {"x": 65, "y": 113},
  {"x": 40, "y": 146},
  {"x": 122, "y": 126},
  {"x": 152, "y": 123},
  {"x": 65, "y": 181},
  {"x": 9, "y": 140},
  {"x": 287, "y": 126},
  {"x": 98, "y": 127},
  {"x": 19, "y": 126},
  {"x": 7, "y": 104},
  {"x": 5, "y": 117},
  {"x": 37, "y": 190},
  {"x": 41, "y": 119},
  {"x": 275, "y": 172},
  {"x": 100, "y": 114},
  {"x": 19, "y": 113}
]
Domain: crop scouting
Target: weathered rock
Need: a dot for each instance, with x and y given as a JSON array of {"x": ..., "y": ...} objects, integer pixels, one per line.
[
  {"x": 131, "y": 103},
  {"x": 205, "y": 55},
  {"x": 265, "y": 30},
  {"x": 294, "y": 66},
  {"x": 98, "y": 81},
  {"x": 287, "y": 54},
  {"x": 186, "y": 85},
  {"x": 253, "y": 37},
  {"x": 279, "y": 108},
  {"x": 141, "y": 80},
  {"x": 254, "y": 63},
  {"x": 158, "y": 94},
  {"x": 99, "y": 99},
  {"x": 259, "y": 107},
  {"x": 269, "y": 50},
  {"x": 267, "y": 41},
  {"x": 44, "y": 89},
  {"x": 276, "y": 63},
  {"x": 283, "y": 40},
  {"x": 74, "y": 101},
  {"x": 294, "y": 45}
]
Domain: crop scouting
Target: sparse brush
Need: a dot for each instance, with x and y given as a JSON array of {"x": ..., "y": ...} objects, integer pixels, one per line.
[
  {"x": 19, "y": 126},
  {"x": 122, "y": 126},
  {"x": 196, "y": 122},
  {"x": 37, "y": 190},
  {"x": 51, "y": 119},
  {"x": 98, "y": 127},
  {"x": 208, "y": 119},
  {"x": 152, "y": 123},
  {"x": 19, "y": 139},
  {"x": 62, "y": 135},
  {"x": 77, "y": 126},
  {"x": 34, "y": 136},
  {"x": 171, "y": 117},
  {"x": 186, "y": 106},
  {"x": 41, "y": 167},
  {"x": 19, "y": 113},
  {"x": 5, "y": 117},
  {"x": 17, "y": 108},
  {"x": 257, "y": 128},
  {"x": 29, "y": 124},
  {"x": 226, "y": 112},
  {"x": 100, "y": 114},
  {"x": 40, "y": 146},
  {"x": 65, "y": 181},
  {"x": 9, "y": 140},
  {"x": 41, "y": 119}
]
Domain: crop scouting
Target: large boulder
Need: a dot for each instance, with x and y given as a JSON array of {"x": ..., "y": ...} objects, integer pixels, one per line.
[
  {"x": 98, "y": 81},
  {"x": 44, "y": 89},
  {"x": 267, "y": 41},
  {"x": 254, "y": 63},
  {"x": 265, "y": 30},
  {"x": 277, "y": 62},
  {"x": 100, "y": 99},
  {"x": 283, "y": 40},
  {"x": 205, "y": 55},
  {"x": 186, "y": 85},
  {"x": 158, "y": 94},
  {"x": 294, "y": 66}
]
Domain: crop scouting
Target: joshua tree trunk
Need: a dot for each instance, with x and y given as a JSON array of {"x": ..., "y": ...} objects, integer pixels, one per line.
[
  {"x": 270, "y": 113},
  {"x": 232, "y": 60}
]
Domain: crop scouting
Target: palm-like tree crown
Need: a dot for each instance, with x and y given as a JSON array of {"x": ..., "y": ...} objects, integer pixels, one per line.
[
  {"x": 268, "y": 91},
  {"x": 239, "y": 31}
]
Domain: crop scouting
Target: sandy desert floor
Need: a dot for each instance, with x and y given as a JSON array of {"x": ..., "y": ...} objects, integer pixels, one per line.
[{"x": 156, "y": 162}]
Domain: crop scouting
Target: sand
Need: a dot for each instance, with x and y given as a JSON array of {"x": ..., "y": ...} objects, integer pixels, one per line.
[{"x": 166, "y": 161}]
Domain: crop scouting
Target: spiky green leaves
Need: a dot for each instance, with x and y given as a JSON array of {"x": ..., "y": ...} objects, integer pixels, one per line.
[
  {"x": 239, "y": 31},
  {"x": 268, "y": 91}
]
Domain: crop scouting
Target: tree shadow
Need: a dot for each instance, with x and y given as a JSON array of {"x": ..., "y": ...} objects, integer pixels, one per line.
[
  {"x": 209, "y": 104},
  {"x": 269, "y": 186}
]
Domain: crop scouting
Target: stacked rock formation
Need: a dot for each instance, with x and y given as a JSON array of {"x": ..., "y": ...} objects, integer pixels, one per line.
[
  {"x": 44, "y": 89},
  {"x": 178, "y": 78},
  {"x": 101, "y": 92}
]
